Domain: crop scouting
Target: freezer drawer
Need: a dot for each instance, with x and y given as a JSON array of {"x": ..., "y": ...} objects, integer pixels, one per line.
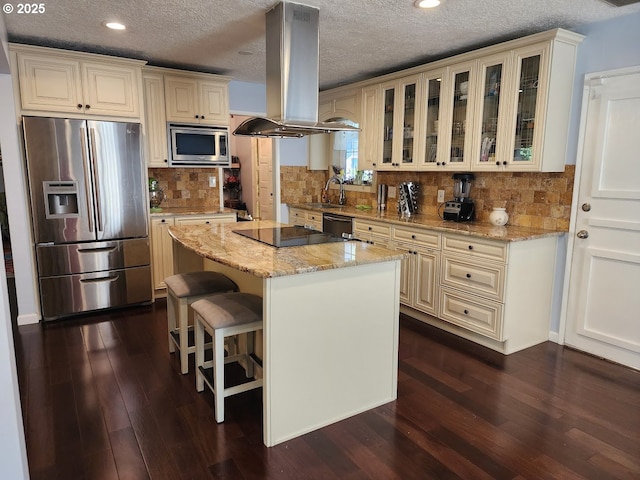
[
  {"x": 92, "y": 256},
  {"x": 69, "y": 294}
]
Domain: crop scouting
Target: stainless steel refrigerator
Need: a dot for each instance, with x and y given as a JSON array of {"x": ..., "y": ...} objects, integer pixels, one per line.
[{"x": 87, "y": 185}]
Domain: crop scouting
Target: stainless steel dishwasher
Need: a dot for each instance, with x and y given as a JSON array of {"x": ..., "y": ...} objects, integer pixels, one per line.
[{"x": 338, "y": 225}]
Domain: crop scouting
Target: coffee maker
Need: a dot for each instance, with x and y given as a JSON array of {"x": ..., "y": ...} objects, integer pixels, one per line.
[{"x": 461, "y": 208}]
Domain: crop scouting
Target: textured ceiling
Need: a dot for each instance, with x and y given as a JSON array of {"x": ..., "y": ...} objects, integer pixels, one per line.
[{"x": 358, "y": 38}]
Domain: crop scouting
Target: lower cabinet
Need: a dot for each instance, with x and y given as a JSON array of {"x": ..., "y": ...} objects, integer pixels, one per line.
[
  {"x": 162, "y": 244},
  {"x": 375, "y": 233},
  {"x": 305, "y": 218}
]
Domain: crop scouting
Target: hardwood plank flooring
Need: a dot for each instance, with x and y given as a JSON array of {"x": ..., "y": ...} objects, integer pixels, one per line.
[{"x": 103, "y": 399}]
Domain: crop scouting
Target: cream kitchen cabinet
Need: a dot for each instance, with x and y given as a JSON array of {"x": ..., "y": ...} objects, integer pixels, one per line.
[
  {"x": 400, "y": 102},
  {"x": 155, "y": 119},
  {"x": 52, "y": 80},
  {"x": 430, "y": 152},
  {"x": 420, "y": 271},
  {"x": 370, "y": 128},
  {"x": 197, "y": 99},
  {"x": 524, "y": 100},
  {"x": 497, "y": 293},
  {"x": 305, "y": 218},
  {"x": 162, "y": 244},
  {"x": 376, "y": 233},
  {"x": 340, "y": 104}
]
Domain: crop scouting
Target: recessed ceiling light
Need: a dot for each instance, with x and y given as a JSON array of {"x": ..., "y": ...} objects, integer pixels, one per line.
[
  {"x": 115, "y": 26},
  {"x": 426, "y": 3}
]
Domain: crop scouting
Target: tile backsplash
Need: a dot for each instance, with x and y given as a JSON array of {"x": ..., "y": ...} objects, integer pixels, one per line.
[
  {"x": 532, "y": 199},
  {"x": 540, "y": 200},
  {"x": 187, "y": 187}
]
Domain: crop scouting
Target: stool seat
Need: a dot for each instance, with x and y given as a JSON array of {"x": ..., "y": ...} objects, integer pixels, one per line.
[
  {"x": 222, "y": 316},
  {"x": 199, "y": 283},
  {"x": 182, "y": 290}
]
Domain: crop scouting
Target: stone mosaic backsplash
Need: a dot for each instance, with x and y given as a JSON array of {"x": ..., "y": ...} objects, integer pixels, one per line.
[
  {"x": 187, "y": 187},
  {"x": 541, "y": 200}
]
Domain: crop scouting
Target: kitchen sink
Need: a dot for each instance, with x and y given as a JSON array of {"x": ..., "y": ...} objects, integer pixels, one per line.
[{"x": 324, "y": 205}]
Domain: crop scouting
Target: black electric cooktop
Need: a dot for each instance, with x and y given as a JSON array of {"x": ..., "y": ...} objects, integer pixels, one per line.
[{"x": 288, "y": 236}]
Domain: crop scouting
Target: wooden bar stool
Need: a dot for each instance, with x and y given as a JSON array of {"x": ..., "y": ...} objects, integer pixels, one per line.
[
  {"x": 222, "y": 316},
  {"x": 182, "y": 290}
]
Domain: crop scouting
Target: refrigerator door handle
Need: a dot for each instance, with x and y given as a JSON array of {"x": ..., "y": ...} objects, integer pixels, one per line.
[
  {"x": 96, "y": 250},
  {"x": 110, "y": 278},
  {"x": 87, "y": 185},
  {"x": 96, "y": 173}
]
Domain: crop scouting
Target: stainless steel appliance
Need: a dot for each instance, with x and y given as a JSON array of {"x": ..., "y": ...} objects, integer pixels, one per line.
[
  {"x": 408, "y": 198},
  {"x": 382, "y": 196},
  {"x": 337, "y": 225},
  {"x": 461, "y": 208},
  {"x": 89, "y": 209},
  {"x": 198, "y": 145}
]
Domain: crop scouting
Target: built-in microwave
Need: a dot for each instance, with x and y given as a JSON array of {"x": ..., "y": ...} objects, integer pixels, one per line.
[{"x": 198, "y": 145}]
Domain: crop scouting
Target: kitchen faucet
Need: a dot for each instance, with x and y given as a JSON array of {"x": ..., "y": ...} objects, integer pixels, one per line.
[{"x": 325, "y": 193}]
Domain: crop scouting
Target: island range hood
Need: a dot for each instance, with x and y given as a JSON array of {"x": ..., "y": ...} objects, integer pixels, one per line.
[{"x": 292, "y": 76}]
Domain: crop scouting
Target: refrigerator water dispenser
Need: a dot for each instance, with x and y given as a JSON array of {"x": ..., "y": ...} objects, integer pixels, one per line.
[{"x": 61, "y": 199}]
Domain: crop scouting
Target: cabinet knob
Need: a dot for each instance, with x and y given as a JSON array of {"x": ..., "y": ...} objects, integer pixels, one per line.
[
  {"x": 497, "y": 163},
  {"x": 438, "y": 163},
  {"x": 166, "y": 161},
  {"x": 413, "y": 237},
  {"x": 87, "y": 107},
  {"x": 79, "y": 106},
  {"x": 207, "y": 222},
  {"x": 470, "y": 247},
  {"x": 466, "y": 312},
  {"x": 370, "y": 228},
  {"x": 504, "y": 162},
  {"x": 468, "y": 275},
  {"x": 163, "y": 220},
  {"x": 202, "y": 117}
]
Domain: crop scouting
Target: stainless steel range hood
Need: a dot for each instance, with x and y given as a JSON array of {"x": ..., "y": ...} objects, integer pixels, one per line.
[{"x": 292, "y": 76}]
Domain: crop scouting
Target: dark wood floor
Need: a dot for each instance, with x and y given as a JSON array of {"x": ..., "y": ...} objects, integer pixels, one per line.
[{"x": 103, "y": 399}]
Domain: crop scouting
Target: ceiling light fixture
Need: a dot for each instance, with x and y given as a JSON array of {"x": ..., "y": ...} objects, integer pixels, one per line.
[
  {"x": 426, "y": 3},
  {"x": 115, "y": 26}
]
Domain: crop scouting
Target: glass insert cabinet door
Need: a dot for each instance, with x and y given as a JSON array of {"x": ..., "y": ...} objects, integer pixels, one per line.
[
  {"x": 461, "y": 102},
  {"x": 408, "y": 122},
  {"x": 388, "y": 95},
  {"x": 527, "y": 105},
  {"x": 490, "y": 148},
  {"x": 432, "y": 85}
]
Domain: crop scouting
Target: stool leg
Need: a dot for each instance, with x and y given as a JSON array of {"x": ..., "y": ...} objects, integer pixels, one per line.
[
  {"x": 218, "y": 375},
  {"x": 250, "y": 341},
  {"x": 198, "y": 328},
  {"x": 171, "y": 319},
  {"x": 183, "y": 319}
]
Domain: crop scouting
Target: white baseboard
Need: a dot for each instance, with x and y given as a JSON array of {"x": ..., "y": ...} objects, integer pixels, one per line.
[
  {"x": 554, "y": 337},
  {"x": 28, "y": 319}
]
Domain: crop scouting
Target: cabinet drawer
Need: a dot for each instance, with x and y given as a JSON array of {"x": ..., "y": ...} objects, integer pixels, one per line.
[
  {"x": 475, "y": 247},
  {"x": 473, "y": 313},
  {"x": 370, "y": 228},
  {"x": 482, "y": 279},
  {"x": 425, "y": 238},
  {"x": 205, "y": 220}
]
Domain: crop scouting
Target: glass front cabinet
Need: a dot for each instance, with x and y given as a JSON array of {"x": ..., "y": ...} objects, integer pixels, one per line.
[
  {"x": 457, "y": 127},
  {"x": 399, "y": 124},
  {"x": 429, "y": 149}
]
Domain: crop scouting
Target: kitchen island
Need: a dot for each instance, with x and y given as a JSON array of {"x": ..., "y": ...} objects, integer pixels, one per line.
[{"x": 331, "y": 312}]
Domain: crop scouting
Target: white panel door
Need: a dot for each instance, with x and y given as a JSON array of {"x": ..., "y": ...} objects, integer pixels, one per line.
[{"x": 603, "y": 308}]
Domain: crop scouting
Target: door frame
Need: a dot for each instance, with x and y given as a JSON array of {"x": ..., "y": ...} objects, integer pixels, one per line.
[{"x": 589, "y": 78}]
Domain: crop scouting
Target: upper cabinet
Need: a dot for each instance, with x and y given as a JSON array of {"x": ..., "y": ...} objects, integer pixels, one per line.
[
  {"x": 52, "y": 80},
  {"x": 344, "y": 104},
  {"x": 500, "y": 108},
  {"x": 400, "y": 107},
  {"x": 155, "y": 130},
  {"x": 197, "y": 99}
]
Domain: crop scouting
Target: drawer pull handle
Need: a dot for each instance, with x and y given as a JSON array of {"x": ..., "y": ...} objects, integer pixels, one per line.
[
  {"x": 470, "y": 247},
  {"x": 466, "y": 312},
  {"x": 468, "y": 275}
]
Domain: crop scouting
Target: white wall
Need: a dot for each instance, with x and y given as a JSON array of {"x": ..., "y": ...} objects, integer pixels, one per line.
[
  {"x": 13, "y": 452},
  {"x": 246, "y": 98}
]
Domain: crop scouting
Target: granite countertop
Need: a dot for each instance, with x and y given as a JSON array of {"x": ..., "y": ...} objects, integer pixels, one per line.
[
  {"x": 476, "y": 229},
  {"x": 170, "y": 211},
  {"x": 220, "y": 244}
]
